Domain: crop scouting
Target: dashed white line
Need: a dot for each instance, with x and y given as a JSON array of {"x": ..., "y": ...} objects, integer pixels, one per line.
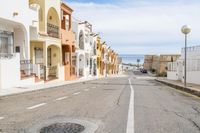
[
  {"x": 61, "y": 98},
  {"x": 130, "y": 121},
  {"x": 1, "y": 118},
  {"x": 36, "y": 106},
  {"x": 86, "y": 90},
  {"x": 77, "y": 93}
]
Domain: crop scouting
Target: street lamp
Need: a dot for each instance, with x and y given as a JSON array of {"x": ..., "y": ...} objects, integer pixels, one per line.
[{"x": 185, "y": 30}]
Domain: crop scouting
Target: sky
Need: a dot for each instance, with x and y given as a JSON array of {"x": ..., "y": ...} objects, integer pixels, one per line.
[{"x": 141, "y": 26}]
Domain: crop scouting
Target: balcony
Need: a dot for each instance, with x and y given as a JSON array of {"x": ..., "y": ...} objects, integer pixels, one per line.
[
  {"x": 52, "y": 30},
  {"x": 6, "y": 56},
  {"x": 68, "y": 37}
]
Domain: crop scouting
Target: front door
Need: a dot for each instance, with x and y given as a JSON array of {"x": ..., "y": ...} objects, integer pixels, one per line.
[{"x": 38, "y": 56}]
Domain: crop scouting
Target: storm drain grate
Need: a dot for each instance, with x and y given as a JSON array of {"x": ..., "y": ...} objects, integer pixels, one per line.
[{"x": 63, "y": 128}]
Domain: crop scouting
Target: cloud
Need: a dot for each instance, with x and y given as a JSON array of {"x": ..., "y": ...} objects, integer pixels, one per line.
[{"x": 134, "y": 27}]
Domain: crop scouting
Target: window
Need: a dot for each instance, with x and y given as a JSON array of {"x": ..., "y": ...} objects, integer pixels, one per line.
[
  {"x": 67, "y": 22},
  {"x": 17, "y": 49},
  {"x": 6, "y": 42}
]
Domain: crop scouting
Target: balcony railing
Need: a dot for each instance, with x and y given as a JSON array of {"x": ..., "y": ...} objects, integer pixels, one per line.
[
  {"x": 6, "y": 56},
  {"x": 52, "y": 30}
]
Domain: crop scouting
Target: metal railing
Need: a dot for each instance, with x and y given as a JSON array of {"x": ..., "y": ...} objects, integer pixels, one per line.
[
  {"x": 6, "y": 56},
  {"x": 52, "y": 30},
  {"x": 53, "y": 70}
]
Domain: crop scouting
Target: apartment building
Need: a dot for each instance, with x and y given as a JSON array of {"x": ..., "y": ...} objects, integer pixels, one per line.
[
  {"x": 93, "y": 54},
  {"x": 17, "y": 19},
  {"x": 45, "y": 46},
  {"x": 40, "y": 42},
  {"x": 68, "y": 43},
  {"x": 82, "y": 31}
]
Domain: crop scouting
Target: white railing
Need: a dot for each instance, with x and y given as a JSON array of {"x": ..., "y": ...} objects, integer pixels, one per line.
[
  {"x": 26, "y": 67},
  {"x": 38, "y": 70},
  {"x": 192, "y": 65},
  {"x": 193, "y": 48}
]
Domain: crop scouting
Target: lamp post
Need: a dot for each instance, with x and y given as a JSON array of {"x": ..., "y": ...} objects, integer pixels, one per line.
[{"x": 185, "y": 30}]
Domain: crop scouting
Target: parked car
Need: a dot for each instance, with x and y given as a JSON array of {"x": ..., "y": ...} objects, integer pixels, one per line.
[{"x": 143, "y": 70}]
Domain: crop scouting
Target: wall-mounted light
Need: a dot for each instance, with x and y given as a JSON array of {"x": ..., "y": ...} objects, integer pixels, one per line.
[
  {"x": 54, "y": 55},
  {"x": 15, "y": 14}
]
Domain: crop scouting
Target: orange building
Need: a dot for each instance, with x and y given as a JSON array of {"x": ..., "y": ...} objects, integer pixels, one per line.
[{"x": 68, "y": 43}]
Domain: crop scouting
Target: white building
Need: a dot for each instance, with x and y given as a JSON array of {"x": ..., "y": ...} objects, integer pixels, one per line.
[
  {"x": 176, "y": 69},
  {"x": 93, "y": 54},
  {"x": 16, "y": 23},
  {"x": 83, "y": 31}
]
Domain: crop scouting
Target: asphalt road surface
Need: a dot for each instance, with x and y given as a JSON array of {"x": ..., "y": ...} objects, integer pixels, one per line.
[{"x": 104, "y": 103}]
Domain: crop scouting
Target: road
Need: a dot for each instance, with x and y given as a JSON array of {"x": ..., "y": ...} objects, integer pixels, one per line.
[{"x": 104, "y": 103}]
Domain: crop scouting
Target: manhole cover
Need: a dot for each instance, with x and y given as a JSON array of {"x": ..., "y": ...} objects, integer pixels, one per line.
[{"x": 63, "y": 128}]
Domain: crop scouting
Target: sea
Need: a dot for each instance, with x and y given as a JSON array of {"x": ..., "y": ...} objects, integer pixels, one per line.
[{"x": 132, "y": 58}]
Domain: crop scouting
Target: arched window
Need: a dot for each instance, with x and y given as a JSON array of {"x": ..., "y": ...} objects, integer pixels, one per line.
[{"x": 81, "y": 40}]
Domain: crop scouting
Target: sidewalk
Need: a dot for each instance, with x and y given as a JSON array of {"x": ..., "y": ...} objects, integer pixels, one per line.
[
  {"x": 55, "y": 83},
  {"x": 193, "y": 89}
]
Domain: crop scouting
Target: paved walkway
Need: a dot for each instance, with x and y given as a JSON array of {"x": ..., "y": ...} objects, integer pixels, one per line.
[
  {"x": 191, "y": 88},
  {"x": 54, "y": 83}
]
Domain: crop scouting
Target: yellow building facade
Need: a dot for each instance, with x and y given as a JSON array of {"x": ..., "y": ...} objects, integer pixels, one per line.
[
  {"x": 99, "y": 57},
  {"x": 45, "y": 47}
]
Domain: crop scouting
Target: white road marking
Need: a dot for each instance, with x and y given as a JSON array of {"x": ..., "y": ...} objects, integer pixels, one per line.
[
  {"x": 86, "y": 90},
  {"x": 76, "y": 93},
  {"x": 1, "y": 118},
  {"x": 61, "y": 98},
  {"x": 36, "y": 106},
  {"x": 130, "y": 121}
]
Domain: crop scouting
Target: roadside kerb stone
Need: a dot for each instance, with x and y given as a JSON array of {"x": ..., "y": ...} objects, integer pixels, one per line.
[{"x": 180, "y": 87}]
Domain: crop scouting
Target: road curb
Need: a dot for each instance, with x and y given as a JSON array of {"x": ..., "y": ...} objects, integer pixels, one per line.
[
  {"x": 48, "y": 87},
  {"x": 53, "y": 86},
  {"x": 182, "y": 88}
]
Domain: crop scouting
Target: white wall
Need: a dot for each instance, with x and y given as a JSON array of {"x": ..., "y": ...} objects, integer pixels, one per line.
[
  {"x": 24, "y": 18},
  {"x": 172, "y": 75},
  {"x": 192, "y": 77},
  {"x": 9, "y": 72}
]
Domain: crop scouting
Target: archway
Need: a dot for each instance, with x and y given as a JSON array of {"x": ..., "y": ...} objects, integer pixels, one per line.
[
  {"x": 53, "y": 60},
  {"x": 53, "y": 23}
]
